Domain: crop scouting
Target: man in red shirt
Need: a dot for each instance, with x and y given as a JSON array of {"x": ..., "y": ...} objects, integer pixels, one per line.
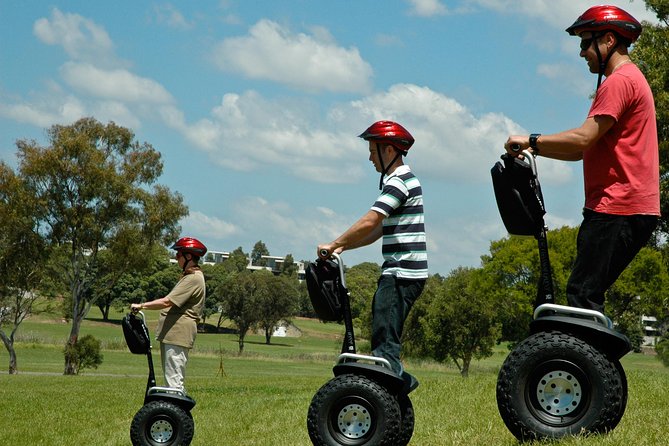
[{"x": 619, "y": 148}]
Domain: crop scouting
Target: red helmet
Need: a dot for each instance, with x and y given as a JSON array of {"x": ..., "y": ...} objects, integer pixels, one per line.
[
  {"x": 190, "y": 245},
  {"x": 390, "y": 132},
  {"x": 607, "y": 18}
]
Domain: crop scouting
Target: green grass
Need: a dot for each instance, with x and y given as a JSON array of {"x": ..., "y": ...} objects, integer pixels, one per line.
[{"x": 262, "y": 398}]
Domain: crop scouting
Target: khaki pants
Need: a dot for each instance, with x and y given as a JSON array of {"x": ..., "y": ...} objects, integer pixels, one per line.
[{"x": 174, "y": 359}]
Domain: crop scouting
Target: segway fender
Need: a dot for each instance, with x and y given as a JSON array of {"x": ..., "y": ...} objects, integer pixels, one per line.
[
  {"x": 382, "y": 375},
  {"x": 613, "y": 344}
]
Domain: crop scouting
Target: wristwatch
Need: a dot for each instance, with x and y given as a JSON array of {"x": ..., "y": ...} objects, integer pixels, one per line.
[{"x": 533, "y": 142}]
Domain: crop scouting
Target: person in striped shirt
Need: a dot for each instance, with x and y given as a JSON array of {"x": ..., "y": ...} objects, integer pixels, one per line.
[{"x": 397, "y": 218}]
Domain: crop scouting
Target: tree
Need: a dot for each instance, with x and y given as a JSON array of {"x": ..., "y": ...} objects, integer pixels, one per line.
[
  {"x": 289, "y": 267},
  {"x": 651, "y": 54},
  {"x": 513, "y": 267},
  {"x": 414, "y": 337},
  {"x": 92, "y": 186},
  {"x": 240, "y": 303},
  {"x": 662, "y": 350},
  {"x": 278, "y": 303},
  {"x": 259, "y": 250},
  {"x": 237, "y": 262},
  {"x": 216, "y": 278},
  {"x": 461, "y": 322},
  {"x": 23, "y": 253},
  {"x": 640, "y": 290},
  {"x": 361, "y": 282}
]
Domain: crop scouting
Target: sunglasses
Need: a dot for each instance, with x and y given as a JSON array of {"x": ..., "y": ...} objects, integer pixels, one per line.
[{"x": 585, "y": 43}]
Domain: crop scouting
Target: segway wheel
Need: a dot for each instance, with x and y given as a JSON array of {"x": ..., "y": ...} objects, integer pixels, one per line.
[
  {"x": 623, "y": 400},
  {"x": 161, "y": 423},
  {"x": 353, "y": 410},
  {"x": 554, "y": 384},
  {"x": 408, "y": 418}
]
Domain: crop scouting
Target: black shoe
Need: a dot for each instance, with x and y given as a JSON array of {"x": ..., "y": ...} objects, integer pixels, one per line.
[{"x": 410, "y": 382}]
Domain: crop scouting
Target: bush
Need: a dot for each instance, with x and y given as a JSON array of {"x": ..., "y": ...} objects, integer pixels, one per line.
[
  {"x": 85, "y": 353},
  {"x": 662, "y": 349}
]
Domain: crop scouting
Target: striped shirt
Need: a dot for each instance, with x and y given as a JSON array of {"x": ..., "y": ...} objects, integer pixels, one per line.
[{"x": 404, "y": 243}]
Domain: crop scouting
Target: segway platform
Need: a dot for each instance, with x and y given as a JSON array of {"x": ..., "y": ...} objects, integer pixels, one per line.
[{"x": 565, "y": 378}]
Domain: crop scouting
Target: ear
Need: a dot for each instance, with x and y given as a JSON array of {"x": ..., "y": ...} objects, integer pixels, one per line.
[{"x": 610, "y": 39}]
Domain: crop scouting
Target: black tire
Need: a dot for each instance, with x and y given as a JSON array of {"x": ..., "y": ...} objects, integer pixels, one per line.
[
  {"x": 554, "y": 384},
  {"x": 623, "y": 400},
  {"x": 353, "y": 410},
  {"x": 161, "y": 423},
  {"x": 408, "y": 419}
]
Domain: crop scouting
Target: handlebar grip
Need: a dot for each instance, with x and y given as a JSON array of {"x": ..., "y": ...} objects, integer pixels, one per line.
[
  {"x": 515, "y": 148},
  {"x": 324, "y": 253}
]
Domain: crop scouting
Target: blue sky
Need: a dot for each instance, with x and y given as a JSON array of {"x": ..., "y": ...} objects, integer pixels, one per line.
[{"x": 255, "y": 105}]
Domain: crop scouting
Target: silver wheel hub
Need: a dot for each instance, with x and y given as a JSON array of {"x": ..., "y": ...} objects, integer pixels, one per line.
[
  {"x": 354, "y": 421},
  {"x": 559, "y": 392},
  {"x": 161, "y": 431}
]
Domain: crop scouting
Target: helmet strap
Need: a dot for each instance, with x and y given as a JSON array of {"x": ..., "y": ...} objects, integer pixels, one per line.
[
  {"x": 603, "y": 63},
  {"x": 186, "y": 261},
  {"x": 384, "y": 169}
]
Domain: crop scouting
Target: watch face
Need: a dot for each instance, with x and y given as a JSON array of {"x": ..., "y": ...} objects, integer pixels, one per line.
[{"x": 533, "y": 140}]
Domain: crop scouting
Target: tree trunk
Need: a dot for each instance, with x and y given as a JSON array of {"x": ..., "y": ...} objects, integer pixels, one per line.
[
  {"x": 78, "y": 313},
  {"x": 9, "y": 345},
  {"x": 70, "y": 358},
  {"x": 466, "y": 361},
  {"x": 240, "y": 340},
  {"x": 268, "y": 335}
]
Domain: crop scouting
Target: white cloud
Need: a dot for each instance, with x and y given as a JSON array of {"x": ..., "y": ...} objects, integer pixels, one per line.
[
  {"x": 451, "y": 142},
  {"x": 560, "y": 13},
  {"x": 427, "y": 8},
  {"x": 249, "y": 132},
  {"x": 81, "y": 38},
  {"x": 116, "y": 84},
  {"x": 298, "y": 230},
  {"x": 207, "y": 227},
  {"x": 309, "y": 62},
  {"x": 171, "y": 16}
]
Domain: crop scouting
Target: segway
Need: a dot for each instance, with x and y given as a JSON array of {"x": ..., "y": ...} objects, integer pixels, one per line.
[
  {"x": 566, "y": 377},
  {"x": 366, "y": 403},
  {"x": 165, "y": 418}
]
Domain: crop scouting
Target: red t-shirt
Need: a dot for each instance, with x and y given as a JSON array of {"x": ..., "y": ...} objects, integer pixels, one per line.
[{"x": 621, "y": 171}]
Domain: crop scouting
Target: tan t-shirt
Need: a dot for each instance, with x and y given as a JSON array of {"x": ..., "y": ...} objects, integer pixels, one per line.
[{"x": 178, "y": 324}]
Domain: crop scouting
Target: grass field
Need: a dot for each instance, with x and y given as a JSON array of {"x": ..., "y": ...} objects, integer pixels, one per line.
[{"x": 262, "y": 397}]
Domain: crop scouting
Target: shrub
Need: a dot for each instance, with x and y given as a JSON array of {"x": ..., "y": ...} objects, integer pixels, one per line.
[
  {"x": 85, "y": 353},
  {"x": 662, "y": 349}
]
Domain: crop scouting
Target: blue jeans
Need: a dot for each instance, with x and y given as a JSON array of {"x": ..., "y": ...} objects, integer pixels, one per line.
[
  {"x": 391, "y": 305},
  {"x": 606, "y": 244}
]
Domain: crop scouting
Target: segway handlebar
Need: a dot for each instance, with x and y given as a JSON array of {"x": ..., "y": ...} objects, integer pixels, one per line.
[
  {"x": 528, "y": 155},
  {"x": 340, "y": 262}
]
